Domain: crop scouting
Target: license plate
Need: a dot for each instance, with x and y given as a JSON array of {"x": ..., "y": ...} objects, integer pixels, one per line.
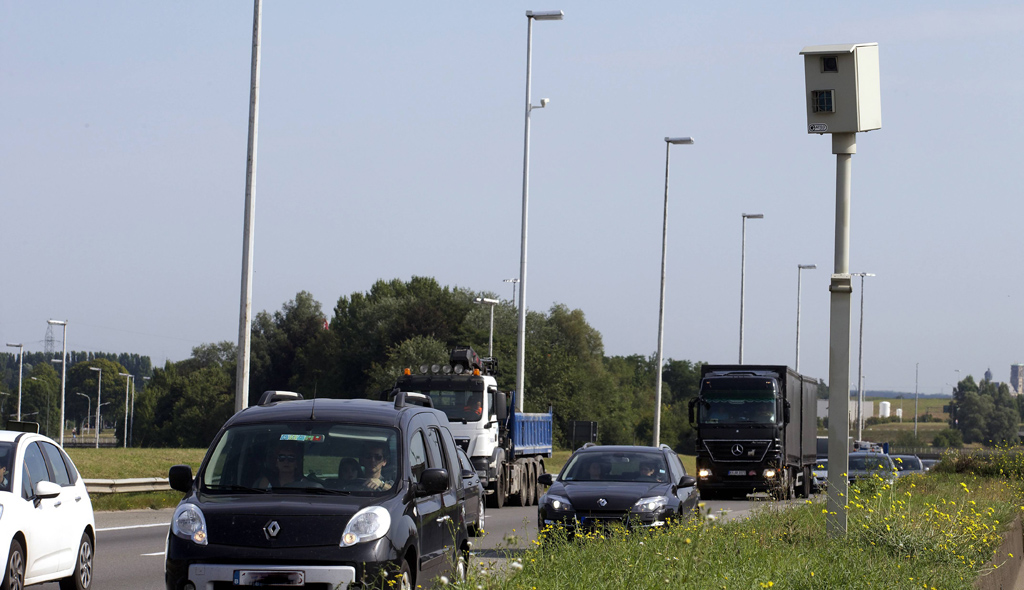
[
  {"x": 269, "y": 578},
  {"x": 735, "y": 472}
]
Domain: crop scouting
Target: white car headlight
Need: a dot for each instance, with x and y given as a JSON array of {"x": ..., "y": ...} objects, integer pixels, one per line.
[
  {"x": 369, "y": 524},
  {"x": 189, "y": 523},
  {"x": 651, "y": 504},
  {"x": 558, "y": 503}
]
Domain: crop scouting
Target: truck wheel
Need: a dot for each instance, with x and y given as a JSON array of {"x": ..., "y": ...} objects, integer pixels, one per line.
[
  {"x": 790, "y": 482},
  {"x": 531, "y": 484},
  {"x": 521, "y": 498},
  {"x": 534, "y": 488},
  {"x": 497, "y": 499}
]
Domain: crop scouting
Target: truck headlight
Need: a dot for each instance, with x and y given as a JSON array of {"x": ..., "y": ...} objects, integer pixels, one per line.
[
  {"x": 369, "y": 524},
  {"x": 189, "y": 524},
  {"x": 651, "y": 504},
  {"x": 769, "y": 473},
  {"x": 702, "y": 473},
  {"x": 558, "y": 503}
]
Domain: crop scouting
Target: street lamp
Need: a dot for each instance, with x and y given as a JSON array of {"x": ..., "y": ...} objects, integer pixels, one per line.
[
  {"x": 521, "y": 339},
  {"x": 490, "y": 339},
  {"x": 99, "y": 385},
  {"x": 21, "y": 360},
  {"x": 799, "y": 269},
  {"x": 127, "y": 377},
  {"x": 88, "y": 408},
  {"x": 513, "y": 281},
  {"x": 63, "y": 369},
  {"x": 743, "y": 271},
  {"x": 669, "y": 142},
  {"x": 860, "y": 356}
]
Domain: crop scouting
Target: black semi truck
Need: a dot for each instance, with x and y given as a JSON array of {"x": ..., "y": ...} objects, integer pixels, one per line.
[{"x": 756, "y": 430}]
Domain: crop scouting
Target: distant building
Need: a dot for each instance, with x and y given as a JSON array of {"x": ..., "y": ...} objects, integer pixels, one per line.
[
  {"x": 1017, "y": 378},
  {"x": 988, "y": 374}
]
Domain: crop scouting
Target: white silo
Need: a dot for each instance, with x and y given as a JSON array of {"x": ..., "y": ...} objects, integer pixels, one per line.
[{"x": 883, "y": 409}]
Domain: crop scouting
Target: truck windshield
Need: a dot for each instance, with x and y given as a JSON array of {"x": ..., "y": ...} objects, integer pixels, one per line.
[
  {"x": 460, "y": 406},
  {"x": 737, "y": 401}
]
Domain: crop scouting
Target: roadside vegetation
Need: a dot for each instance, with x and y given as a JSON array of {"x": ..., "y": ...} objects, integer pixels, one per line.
[
  {"x": 114, "y": 463},
  {"x": 937, "y": 531}
]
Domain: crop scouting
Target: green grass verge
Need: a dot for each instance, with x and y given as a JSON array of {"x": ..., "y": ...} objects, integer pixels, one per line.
[
  {"x": 933, "y": 531},
  {"x": 114, "y": 463}
]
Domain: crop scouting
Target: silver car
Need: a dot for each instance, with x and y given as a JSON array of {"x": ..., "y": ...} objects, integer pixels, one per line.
[
  {"x": 869, "y": 465},
  {"x": 908, "y": 465},
  {"x": 820, "y": 473}
]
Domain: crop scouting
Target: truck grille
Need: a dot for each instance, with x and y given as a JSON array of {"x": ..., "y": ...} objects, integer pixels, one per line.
[{"x": 737, "y": 451}]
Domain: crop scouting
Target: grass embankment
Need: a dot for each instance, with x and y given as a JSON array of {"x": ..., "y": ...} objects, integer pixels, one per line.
[
  {"x": 935, "y": 531},
  {"x": 114, "y": 463}
]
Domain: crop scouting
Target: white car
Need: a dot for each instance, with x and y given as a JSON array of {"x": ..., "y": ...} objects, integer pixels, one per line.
[{"x": 47, "y": 529}]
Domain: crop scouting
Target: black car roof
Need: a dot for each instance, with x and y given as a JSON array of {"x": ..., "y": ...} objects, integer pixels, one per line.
[
  {"x": 620, "y": 449},
  {"x": 363, "y": 411}
]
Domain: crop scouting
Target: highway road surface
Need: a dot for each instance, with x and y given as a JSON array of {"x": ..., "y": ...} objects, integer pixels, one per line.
[{"x": 130, "y": 544}]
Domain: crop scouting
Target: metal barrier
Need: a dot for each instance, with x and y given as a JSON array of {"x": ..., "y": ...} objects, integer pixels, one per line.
[{"x": 114, "y": 486}]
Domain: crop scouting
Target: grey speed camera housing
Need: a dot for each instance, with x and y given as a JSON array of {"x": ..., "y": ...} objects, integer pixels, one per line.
[{"x": 843, "y": 89}]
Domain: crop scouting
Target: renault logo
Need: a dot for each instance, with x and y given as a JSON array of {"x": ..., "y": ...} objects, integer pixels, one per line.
[
  {"x": 737, "y": 450},
  {"x": 602, "y": 502},
  {"x": 272, "y": 529}
]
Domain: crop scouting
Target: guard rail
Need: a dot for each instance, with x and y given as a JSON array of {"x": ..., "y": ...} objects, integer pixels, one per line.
[{"x": 113, "y": 486}]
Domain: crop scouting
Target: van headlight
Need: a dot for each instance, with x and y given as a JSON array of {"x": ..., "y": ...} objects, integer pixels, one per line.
[
  {"x": 369, "y": 524},
  {"x": 189, "y": 524}
]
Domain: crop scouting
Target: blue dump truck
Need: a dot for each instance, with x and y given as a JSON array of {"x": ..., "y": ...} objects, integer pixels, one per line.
[
  {"x": 507, "y": 448},
  {"x": 756, "y": 430}
]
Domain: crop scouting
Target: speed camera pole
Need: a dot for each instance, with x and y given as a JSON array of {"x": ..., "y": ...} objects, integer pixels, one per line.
[{"x": 843, "y": 98}]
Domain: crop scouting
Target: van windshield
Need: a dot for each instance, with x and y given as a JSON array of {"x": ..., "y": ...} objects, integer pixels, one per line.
[{"x": 304, "y": 457}]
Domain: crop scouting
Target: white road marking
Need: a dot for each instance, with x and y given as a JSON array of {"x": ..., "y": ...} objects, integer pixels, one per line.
[
  {"x": 151, "y": 554},
  {"x": 135, "y": 526}
]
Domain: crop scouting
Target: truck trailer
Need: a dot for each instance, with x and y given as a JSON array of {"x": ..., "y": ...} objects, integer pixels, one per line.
[
  {"x": 756, "y": 430},
  {"x": 507, "y": 448}
]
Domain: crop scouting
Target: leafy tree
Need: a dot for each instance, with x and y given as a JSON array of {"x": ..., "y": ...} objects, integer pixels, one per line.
[
  {"x": 984, "y": 413},
  {"x": 948, "y": 438}
]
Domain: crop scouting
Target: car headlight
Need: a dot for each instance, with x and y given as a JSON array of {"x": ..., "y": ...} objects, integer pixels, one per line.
[
  {"x": 558, "y": 503},
  {"x": 190, "y": 524},
  {"x": 651, "y": 504},
  {"x": 369, "y": 524}
]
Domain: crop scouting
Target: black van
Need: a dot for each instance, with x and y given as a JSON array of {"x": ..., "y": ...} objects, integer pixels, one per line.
[{"x": 321, "y": 494}]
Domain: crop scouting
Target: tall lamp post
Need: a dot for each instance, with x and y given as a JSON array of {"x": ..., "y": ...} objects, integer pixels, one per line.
[
  {"x": 88, "y": 408},
  {"x": 521, "y": 339},
  {"x": 513, "y": 281},
  {"x": 799, "y": 269},
  {"x": 860, "y": 357},
  {"x": 659, "y": 359},
  {"x": 127, "y": 377},
  {"x": 743, "y": 271},
  {"x": 99, "y": 389},
  {"x": 21, "y": 360},
  {"x": 63, "y": 369},
  {"x": 245, "y": 307},
  {"x": 490, "y": 339},
  {"x": 917, "y": 367}
]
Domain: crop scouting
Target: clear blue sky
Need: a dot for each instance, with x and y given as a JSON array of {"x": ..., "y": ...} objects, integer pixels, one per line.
[{"x": 390, "y": 145}]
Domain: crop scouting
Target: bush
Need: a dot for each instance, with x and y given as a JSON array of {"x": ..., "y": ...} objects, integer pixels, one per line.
[{"x": 948, "y": 438}]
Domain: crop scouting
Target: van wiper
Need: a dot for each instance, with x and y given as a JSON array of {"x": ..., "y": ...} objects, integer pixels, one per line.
[
  {"x": 311, "y": 490},
  {"x": 236, "y": 488}
]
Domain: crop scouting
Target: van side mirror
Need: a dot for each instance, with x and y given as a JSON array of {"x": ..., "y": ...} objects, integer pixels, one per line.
[
  {"x": 433, "y": 481},
  {"x": 180, "y": 478}
]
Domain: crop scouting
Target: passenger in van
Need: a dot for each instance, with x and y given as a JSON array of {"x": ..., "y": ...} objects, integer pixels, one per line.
[
  {"x": 283, "y": 466},
  {"x": 349, "y": 473},
  {"x": 374, "y": 458}
]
